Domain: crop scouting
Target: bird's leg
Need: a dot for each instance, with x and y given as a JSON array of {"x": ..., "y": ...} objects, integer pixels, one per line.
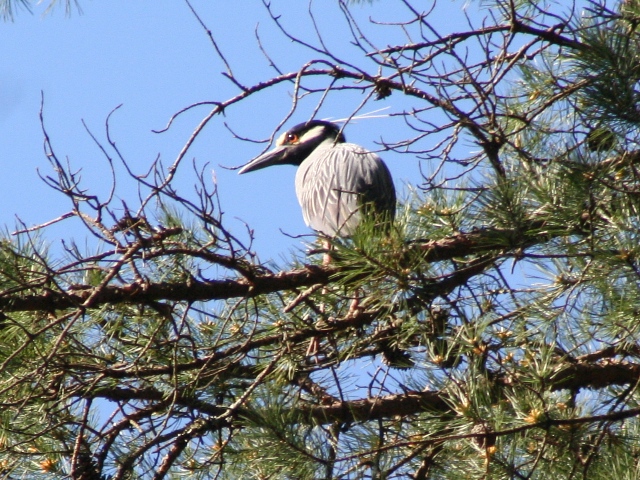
[
  {"x": 326, "y": 260},
  {"x": 314, "y": 344},
  {"x": 326, "y": 257},
  {"x": 354, "y": 307}
]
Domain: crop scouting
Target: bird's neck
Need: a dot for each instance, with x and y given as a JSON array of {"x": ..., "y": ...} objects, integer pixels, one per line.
[{"x": 329, "y": 142}]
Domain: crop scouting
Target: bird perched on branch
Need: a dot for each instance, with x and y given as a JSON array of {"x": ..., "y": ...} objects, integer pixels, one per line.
[{"x": 336, "y": 182}]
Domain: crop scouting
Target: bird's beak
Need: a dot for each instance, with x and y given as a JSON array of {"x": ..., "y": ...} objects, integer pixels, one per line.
[{"x": 277, "y": 156}]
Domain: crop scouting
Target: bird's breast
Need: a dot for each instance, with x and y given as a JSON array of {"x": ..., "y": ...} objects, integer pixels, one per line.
[{"x": 331, "y": 184}]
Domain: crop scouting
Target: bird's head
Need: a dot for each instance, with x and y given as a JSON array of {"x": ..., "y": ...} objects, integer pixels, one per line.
[{"x": 296, "y": 144}]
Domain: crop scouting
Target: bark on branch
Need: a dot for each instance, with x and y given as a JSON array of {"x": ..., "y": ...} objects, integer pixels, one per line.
[{"x": 81, "y": 296}]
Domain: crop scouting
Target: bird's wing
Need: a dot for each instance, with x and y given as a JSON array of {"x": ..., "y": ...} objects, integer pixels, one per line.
[{"x": 334, "y": 182}]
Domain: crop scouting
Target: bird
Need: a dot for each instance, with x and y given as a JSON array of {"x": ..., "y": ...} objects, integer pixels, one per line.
[{"x": 336, "y": 182}]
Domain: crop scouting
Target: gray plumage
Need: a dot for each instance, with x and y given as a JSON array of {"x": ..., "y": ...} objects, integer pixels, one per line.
[{"x": 336, "y": 182}]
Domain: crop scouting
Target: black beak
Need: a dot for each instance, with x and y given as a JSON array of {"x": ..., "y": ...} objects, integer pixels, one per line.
[{"x": 277, "y": 156}]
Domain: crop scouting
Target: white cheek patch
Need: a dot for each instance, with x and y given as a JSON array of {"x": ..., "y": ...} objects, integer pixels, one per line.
[
  {"x": 311, "y": 134},
  {"x": 282, "y": 139},
  {"x": 308, "y": 136}
]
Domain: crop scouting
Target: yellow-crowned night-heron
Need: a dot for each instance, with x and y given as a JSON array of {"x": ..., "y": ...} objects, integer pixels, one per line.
[{"x": 336, "y": 181}]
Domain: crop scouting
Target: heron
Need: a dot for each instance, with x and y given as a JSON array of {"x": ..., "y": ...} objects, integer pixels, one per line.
[{"x": 336, "y": 182}]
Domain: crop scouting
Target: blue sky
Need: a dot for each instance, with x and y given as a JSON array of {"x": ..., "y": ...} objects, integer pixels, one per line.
[{"x": 154, "y": 59}]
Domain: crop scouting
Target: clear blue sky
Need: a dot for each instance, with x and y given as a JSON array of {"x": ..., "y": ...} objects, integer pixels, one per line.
[{"x": 154, "y": 59}]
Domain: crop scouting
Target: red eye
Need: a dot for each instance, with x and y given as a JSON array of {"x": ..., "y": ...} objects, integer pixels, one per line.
[{"x": 292, "y": 138}]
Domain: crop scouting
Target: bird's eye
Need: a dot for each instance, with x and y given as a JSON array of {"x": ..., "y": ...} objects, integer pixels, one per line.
[{"x": 292, "y": 138}]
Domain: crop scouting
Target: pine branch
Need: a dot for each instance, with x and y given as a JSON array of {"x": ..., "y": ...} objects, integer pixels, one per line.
[{"x": 84, "y": 296}]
